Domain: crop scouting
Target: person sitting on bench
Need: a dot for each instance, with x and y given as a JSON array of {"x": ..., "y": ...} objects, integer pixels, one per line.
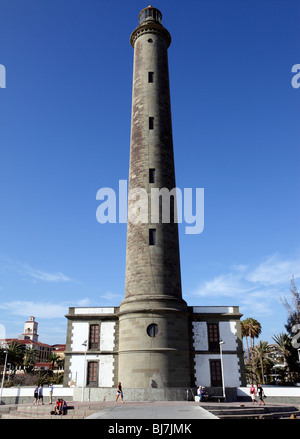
[{"x": 60, "y": 407}]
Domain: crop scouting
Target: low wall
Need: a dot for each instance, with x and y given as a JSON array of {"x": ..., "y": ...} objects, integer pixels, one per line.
[
  {"x": 275, "y": 394},
  {"x": 24, "y": 394},
  {"x": 110, "y": 394}
]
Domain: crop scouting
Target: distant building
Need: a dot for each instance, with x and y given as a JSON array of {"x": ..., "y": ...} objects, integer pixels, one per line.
[
  {"x": 30, "y": 330},
  {"x": 29, "y": 339}
]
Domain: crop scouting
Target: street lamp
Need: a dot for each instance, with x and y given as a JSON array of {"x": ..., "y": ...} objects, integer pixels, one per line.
[
  {"x": 4, "y": 371},
  {"x": 222, "y": 370},
  {"x": 84, "y": 368}
]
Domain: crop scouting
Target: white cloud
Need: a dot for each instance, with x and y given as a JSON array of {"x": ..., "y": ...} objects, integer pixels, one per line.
[
  {"x": 111, "y": 296},
  {"x": 7, "y": 265},
  {"x": 47, "y": 277},
  {"x": 83, "y": 302},
  {"x": 274, "y": 271},
  {"x": 45, "y": 310},
  {"x": 255, "y": 289},
  {"x": 38, "y": 309},
  {"x": 2, "y": 331},
  {"x": 223, "y": 285}
]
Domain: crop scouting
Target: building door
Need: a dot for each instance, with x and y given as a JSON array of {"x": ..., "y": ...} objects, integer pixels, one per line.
[
  {"x": 215, "y": 373},
  {"x": 92, "y": 373}
]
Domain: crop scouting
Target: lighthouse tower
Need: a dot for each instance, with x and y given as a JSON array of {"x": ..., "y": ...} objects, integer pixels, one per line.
[
  {"x": 153, "y": 343},
  {"x": 153, "y": 318}
]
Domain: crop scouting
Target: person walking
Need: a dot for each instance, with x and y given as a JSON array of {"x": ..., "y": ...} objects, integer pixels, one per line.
[
  {"x": 261, "y": 394},
  {"x": 41, "y": 397},
  {"x": 119, "y": 392},
  {"x": 253, "y": 394},
  {"x": 36, "y": 395}
]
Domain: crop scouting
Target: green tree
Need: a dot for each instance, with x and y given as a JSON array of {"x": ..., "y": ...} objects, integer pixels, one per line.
[
  {"x": 250, "y": 328},
  {"x": 15, "y": 354},
  {"x": 262, "y": 356},
  {"x": 53, "y": 358},
  {"x": 2, "y": 355},
  {"x": 292, "y": 308},
  {"x": 30, "y": 359},
  {"x": 60, "y": 362},
  {"x": 245, "y": 334},
  {"x": 285, "y": 350}
]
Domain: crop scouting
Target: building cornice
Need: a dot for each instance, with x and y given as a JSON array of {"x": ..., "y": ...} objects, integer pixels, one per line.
[{"x": 150, "y": 28}]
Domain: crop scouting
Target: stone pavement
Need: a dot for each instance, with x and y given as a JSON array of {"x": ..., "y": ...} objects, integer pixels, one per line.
[{"x": 153, "y": 410}]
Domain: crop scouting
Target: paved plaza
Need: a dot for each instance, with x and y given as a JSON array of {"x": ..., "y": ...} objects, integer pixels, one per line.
[{"x": 153, "y": 410}]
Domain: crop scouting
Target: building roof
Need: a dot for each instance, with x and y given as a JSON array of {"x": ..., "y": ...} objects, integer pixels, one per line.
[
  {"x": 24, "y": 342},
  {"x": 59, "y": 347}
]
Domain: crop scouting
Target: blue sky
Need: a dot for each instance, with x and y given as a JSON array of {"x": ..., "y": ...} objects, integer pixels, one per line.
[{"x": 65, "y": 133}]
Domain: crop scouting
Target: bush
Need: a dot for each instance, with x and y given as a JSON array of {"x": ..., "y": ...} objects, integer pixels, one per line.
[{"x": 28, "y": 379}]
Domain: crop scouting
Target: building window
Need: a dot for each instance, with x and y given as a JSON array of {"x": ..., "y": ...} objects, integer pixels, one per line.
[
  {"x": 152, "y": 236},
  {"x": 151, "y": 175},
  {"x": 150, "y": 76},
  {"x": 94, "y": 337},
  {"x": 151, "y": 123},
  {"x": 215, "y": 373},
  {"x": 92, "y": 373},
  {"x": 152, "y": 330},
  {"x": 213, "y": 336}
]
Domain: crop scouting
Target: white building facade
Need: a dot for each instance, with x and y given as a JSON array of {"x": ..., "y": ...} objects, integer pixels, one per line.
[{"x": 91, "y": 357}]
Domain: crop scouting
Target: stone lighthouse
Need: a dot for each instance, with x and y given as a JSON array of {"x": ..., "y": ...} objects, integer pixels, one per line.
[
  {"x": 153, "y": 342},
  {"x": 153, "y": 317}
]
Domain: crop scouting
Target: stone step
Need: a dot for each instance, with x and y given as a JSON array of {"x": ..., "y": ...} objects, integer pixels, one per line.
[
  {"x": 30, "y": 414},
  {"x": 75, "y": 411},
  {"x": 20, "y": 415},
  {"x": 279, "y": 415},
  {"x": 249, "y": 411},
  {"x": 253, "y": 412}
]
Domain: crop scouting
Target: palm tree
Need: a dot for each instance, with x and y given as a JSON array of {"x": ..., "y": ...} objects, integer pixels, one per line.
[
  {"x": 245, "y": 333},
  {"x": 254, "y": 330},
  {"x": 284, "y": 347},
  {"x": 2, "y": 355},
  {"x": 15, "y": 354},
  {"x": 262, "y": 353},
  {"x": 30, "y": 359},
  {"x": 250, "y": 328},
  {"x": 60, "y": 362},
  {"x": 53, "y": 358}
]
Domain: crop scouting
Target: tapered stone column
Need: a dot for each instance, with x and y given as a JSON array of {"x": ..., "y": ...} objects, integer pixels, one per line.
[{"x": 153, "y": 318}]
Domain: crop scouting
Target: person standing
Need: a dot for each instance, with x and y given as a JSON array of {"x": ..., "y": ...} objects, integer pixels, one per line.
[
  {"x": 50, "y": 393},
  {"x": 119, "y": 392}
]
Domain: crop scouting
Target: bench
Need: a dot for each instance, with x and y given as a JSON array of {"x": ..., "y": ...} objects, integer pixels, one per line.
[
  {"x": 216, "y": 398},
  {"x": 211, "y": 398}
]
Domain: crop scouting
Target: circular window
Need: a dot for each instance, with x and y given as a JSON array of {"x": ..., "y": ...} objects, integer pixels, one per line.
[
  {"x": 152, "y": 330},
  {"x": 150, "y": 40}
]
